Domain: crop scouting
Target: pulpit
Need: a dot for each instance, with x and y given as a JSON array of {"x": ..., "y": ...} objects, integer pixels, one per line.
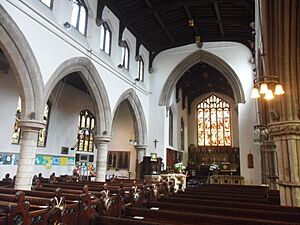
[{"x": 151, "y": 166}]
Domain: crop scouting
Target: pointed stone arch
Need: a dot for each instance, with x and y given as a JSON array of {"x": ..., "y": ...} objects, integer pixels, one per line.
[
  {"x": 23, "y": 65},
  {"x": 95, "y": 85},
  {"x": 210, "y": 59},
  {"x": 139, "y": 120}
]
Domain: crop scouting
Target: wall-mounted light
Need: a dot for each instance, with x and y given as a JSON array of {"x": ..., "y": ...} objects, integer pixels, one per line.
[
  {"x": 261, "y": 133},
  {"x": 267, "y": 86},
  {"x": 67, "y": 25}
]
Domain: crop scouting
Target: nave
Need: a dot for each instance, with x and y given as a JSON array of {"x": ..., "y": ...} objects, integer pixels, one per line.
[{"x": 124, "y": 201}]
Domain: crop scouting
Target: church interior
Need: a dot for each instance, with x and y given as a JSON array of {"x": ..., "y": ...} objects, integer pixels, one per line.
[{"x": 149, "y": 112}]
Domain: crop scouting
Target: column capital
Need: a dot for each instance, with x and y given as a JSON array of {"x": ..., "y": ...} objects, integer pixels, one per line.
[
  {"x": 140, "y": 147},
  {"x": 284, "y": 128},
  {"x": 102, "y": 139},
  {"x": 31, "y": 125}
]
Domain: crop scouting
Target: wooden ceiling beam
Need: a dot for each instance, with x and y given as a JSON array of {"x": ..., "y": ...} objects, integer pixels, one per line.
[
  {"x": 217, "y": 11},
  {"x": 159, "y": 20}
]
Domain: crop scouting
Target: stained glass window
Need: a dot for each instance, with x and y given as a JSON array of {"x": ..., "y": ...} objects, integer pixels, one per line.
[
  {"x": 214, "y": 122},
  {"x": 85, "y": 137},
  {"x": 79, "y": 16},
  {"x": 16, "y": 137},
  {"x": 42, "y": 138}
]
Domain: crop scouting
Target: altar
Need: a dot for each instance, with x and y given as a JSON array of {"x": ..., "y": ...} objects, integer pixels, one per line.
[{"x": 226, "y": 179}]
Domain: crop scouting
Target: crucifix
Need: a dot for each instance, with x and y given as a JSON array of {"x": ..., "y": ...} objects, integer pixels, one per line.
[{"x": 155, "y": 142}]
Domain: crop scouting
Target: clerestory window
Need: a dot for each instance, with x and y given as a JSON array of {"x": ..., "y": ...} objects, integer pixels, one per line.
[
  {"x": 125, "y": 55},
  {"x": 141, "y": 69},
  {"x": 79, "y": 16},
  {"x": 105, "y": 38},
  {"x": 48, "y": 3}
]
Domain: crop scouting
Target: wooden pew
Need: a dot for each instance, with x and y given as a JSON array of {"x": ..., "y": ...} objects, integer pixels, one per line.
[
  {"x": 20, "y": 212},
  {"x": 47, "y": 201},
  {"x": 107, "y": 220},
  {"x": 224, "y": 211},
  {"x": 171, "y": 217},
  {"x": 226, "y": 197},
  {"x": 230, "y": 204}
]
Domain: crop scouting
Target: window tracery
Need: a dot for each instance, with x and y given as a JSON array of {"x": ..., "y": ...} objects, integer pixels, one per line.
[
  {"x": 86, "y": 126},
  {"x": 214, "y": 122}
]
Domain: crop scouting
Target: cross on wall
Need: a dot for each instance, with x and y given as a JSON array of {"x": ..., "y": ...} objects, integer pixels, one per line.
[{"x": 155, "y": 142}]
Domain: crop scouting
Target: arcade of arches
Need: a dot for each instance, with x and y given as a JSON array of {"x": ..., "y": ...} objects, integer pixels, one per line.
[{"x": 97, "y": 98}]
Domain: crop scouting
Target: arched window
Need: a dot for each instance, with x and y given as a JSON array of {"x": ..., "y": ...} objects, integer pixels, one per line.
[
  {"x": 85, "y": 137},
  {"x": 48, "y": 3},
  {"x": 105, "y": 38},
  {"x": 182, "y": 134},
  {"x": 42, "y": 138},
  {"x": 141, "y": 69},
  {"x": 16, "y": 137},
  {"x": 214, "y": 122},
  {"x": 125, "y": 55},
  {"x": 170, "y": 127},
  {"x": 79, "y": 16}
]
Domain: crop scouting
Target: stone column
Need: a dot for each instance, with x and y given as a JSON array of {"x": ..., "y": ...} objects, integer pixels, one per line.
[
  {"x": 101, "y": 143},
  {"x": 140, "y": 153},
  {"x": 30, "y": 130},
  {"x": 287, "y": 138},
  {"x": 269, "y": 164},
  {"x": 281, "y": 41}
]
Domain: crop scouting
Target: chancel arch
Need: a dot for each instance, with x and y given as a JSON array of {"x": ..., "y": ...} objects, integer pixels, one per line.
[
  {"x": 205, "y": 96},
  {"x": 201, "y": 56}
]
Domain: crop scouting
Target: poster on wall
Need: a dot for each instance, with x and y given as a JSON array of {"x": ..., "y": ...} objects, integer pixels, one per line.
[
  {"x": 48, "y": 160},
  {"x": 55, "y": 161},
  {"x": 44, "y": 160},
  {"x": 63, "y": 161},
  {"x": 16, "y": 159},
  {"x": 5, "y": 159},
  {"x": 71, "y": 161}
]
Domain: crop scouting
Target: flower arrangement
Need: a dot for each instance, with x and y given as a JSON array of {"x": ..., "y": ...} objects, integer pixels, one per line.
[
  {"x": 214, "y": 168},
  {"x": 180, "y": 167}
]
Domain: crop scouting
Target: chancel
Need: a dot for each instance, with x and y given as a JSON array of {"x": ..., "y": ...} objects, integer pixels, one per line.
[{"x": 149, "y": 112}]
